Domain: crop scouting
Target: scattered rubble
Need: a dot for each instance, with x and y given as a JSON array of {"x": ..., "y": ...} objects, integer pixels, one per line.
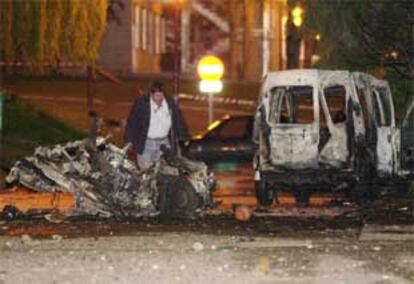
[
  {"x": 28, "y": 241},
  {"x": 197, "y": 246},
  {"x": 372, "y": 232},
  {"x": 263, "y": 265},
  {"x": 243, "y": 213}
]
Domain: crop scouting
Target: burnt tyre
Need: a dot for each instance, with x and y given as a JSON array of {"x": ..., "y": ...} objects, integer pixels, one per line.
[
  {"x": 367, "y": 192},
  {"x": 177, "y": 197},
  {"x": 264, "y": 195}
]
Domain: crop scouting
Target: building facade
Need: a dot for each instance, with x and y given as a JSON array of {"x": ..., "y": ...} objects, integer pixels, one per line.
[
  {"x": 136, "y": 42},
  {"x": 248, "y": 35}
]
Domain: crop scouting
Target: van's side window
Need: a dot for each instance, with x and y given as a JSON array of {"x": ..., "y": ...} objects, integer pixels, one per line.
[
  {"x": 364, "y": 106},
  {"x": 336, "y": 100},
  {"x": 384, "y": 105}
]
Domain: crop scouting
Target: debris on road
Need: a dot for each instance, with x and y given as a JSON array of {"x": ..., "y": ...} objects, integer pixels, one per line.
[
  {"x": 28, "y": 241},
  {"x": 242, "y": 213},
  {"x": 55, "y": 217},
  {"x": 103, "y": 181},
  {"x": 310, "y": 212},
  {"x": 275, "y": 243},
  {"x": 263, "y": 265},
  {"x": 373, "y": 232},
  {"x": 197, "y": 246}
]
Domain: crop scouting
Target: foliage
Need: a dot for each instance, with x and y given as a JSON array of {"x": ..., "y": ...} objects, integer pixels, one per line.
[
  {"x": 44, "y": 32},
  {"x": 402, "y": 90},
  {"x": 368, "y": 35},
  {"x": 364, "y": 34},
  {"x": 25, "y": 128},
  {"x": 23, "y": 122},
  {"x": 411, "y": 189}
]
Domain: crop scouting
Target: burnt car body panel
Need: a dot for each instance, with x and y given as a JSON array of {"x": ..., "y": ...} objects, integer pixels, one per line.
[
  {"x": 332, "y": 130},
  {"x": 227, "y": 139}
]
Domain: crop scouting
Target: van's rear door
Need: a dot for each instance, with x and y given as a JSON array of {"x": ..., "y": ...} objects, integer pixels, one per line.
[
  {"x": 388, "y": 136},
  {"x": 293, "y": 117}
]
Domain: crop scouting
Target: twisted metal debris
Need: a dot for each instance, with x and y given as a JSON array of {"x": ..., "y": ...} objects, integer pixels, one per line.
[{"x": 105, "y": 182}]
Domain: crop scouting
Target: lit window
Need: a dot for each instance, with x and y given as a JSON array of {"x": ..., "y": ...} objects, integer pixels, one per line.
[
  {"x": 144, "y": 29},
  {"x": 157, "y": 34},
  {"x": 150, "y": 31},
  {"x": 163, "y": 35},
  {"x": 137, "y": 27}
]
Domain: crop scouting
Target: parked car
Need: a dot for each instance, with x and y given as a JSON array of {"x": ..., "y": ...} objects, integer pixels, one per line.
[
  {"x": 328, "y": 130},
  {"x": 229, "y": 138}
]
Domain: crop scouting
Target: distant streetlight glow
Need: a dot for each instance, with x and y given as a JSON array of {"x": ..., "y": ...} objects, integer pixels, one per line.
[
  {"x": 297, "y": 16},
  {"x": 318, "y": 37},
  {"x": 394, "y": 54},
  {"x": 210, "y": 69}
]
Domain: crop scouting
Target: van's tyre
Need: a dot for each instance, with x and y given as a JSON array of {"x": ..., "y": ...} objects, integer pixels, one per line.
[
  {"x": 364, "y": 193},
  {"x": 264, "y": 195},
  {"x": 177, "y": 197}
]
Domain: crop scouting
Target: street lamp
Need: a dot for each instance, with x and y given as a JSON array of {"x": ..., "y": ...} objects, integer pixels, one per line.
[
  {"x": 294, "y": 39},
  {"x": 297, "y": 16},
  {"x": 210, "y": 69}
]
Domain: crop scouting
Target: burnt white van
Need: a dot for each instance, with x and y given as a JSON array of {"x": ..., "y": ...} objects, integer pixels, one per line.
[{"x": 328, "y": 130}]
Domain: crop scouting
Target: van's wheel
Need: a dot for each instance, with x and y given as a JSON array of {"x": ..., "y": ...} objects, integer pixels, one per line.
[
  {"x": 363, "y": 193},
  {"x": 177, "y": 197},
  {"x": 302, "y": 196},
  {"x": 264, "y": 195}
]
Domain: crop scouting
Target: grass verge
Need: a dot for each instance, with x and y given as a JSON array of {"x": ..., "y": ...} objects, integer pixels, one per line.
[{"x": 25, "y": 128}]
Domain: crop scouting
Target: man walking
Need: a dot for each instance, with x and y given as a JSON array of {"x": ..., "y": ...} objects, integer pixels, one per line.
[{"x": 154, "y": 120}]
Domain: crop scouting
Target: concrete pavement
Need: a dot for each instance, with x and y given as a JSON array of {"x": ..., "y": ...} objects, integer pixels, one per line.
[{"x": 186, "y": 257}]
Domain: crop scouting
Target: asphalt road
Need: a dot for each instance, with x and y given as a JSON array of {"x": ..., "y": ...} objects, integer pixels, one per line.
[{"x": 148, "y": 255}]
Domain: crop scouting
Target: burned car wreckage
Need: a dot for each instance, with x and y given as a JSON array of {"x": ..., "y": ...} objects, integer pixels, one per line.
[
  {"x": 328, "y": 130},
  {"x": 106, "y": 183}
]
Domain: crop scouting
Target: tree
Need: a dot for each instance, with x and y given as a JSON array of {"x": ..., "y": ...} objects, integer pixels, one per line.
[
  {"x": 44, "y": 32},
  {"x": 364, "y": 34}
]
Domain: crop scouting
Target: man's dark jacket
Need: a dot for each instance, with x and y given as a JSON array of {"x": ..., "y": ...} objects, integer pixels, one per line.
[{"x": 139, "y": 119}]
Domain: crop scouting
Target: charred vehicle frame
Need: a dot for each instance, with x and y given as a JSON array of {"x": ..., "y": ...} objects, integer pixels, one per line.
[
  {"x": 327, "y": 130},
  {"x": 106, "y": 183}
]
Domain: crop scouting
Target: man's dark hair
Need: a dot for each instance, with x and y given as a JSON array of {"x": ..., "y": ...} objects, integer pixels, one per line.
[{"x": 157, "y": 87}]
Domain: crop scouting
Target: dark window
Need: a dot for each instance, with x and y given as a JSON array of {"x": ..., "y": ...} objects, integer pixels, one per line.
[
  {"x": 335, "y": 97},
  {"x": 386, "y": 105},
  {"x": 364, "y": 106},
  {"x": 381, "y": 105},
  {"x": 376, "y": 108}
]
